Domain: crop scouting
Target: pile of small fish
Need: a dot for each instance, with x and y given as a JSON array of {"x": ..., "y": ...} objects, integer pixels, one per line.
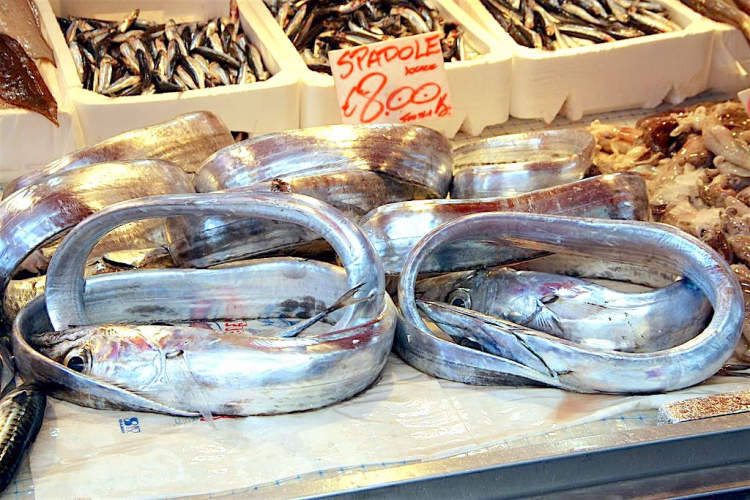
[
  {"x": 137, "y": 57},
  {"x": 315, "y": 28},
  {"x": 21, "y": 41},
  {"x": 735, "y": 13},
  {"x": 564, "y": 24}
]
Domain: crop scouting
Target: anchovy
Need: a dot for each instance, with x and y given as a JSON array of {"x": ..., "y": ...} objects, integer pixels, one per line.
[
  {"x": 723, "y": 12},
  {"x": 154, "y": 53},
  {"x": 516, "y": 354},
  {"x": 561, "y": 24},
  {"x": 322, "y": 27}
]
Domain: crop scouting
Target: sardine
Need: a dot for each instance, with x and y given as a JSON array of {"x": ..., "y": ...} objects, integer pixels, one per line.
[
  {"x": 21, "y": 84},
  {"x": 518, "y": 163},
  {"x": 396, "y": 228},
  {"x": 413, "y": 154},
  {"x": 186, "y": 140},
  {"x": 722, "y": 11},
  {"x": 577, "y": 310},
  {"x": 36, "y": 214},
  {"x": 21, "y": 414},
  {"x": 516, "y": 354}
]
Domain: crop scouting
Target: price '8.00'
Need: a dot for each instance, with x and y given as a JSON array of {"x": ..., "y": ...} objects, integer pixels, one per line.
[{"x": 367, "y": 100}]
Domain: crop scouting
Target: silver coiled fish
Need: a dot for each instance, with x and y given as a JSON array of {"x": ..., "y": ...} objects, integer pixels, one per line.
[
  {"x": 520, "y": 355},
  {"x": 259, "y": 375},
  {"x": 519, "y": 163},
  {"x": 355, "y": 168},
  {"x": 575, "y": 309},
  {"x": 186, "y": 140},
  {"x": 37, "y": 214},
  {"x": 416, "y": 155},
  {"x": 395, "y": 229},
  {"x": 207, "y": 241}
]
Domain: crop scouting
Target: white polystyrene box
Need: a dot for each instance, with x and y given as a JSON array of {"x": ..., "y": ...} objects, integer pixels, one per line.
[
  {"x": 28, "y": 140},
  {"x": 730, "y": 63},
  {"x": 257, "y": 108},
  {"x": 480, "y": 88},
  {"x": 624, "y": 74}
]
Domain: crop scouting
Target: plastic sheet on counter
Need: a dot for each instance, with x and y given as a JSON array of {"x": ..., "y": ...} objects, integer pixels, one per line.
[{"x": 407, "y": 416}]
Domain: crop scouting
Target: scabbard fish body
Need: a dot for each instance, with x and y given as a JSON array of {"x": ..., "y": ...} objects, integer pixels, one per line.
[
  {"x": 577, "y": 310},
  {"x": 416, "y": 155},
  {"x": 206, "y": 241},
  {"x": 37, "y": 214},
  {"x": 260, "y": 375},
  {"x": 519, "y": 163},
  {"x": 516, "y": 354},
  {"x": 265, "y": 375},
  {"x": 186, "y": 140},
  {"x": 395, "y": 229}
]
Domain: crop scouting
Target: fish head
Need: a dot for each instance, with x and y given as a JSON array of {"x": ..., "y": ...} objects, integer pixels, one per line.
[
  {"x": 500, "y": 292},
  {"x": 461, "y": 289},
  {"x": 119, "y": 354}
]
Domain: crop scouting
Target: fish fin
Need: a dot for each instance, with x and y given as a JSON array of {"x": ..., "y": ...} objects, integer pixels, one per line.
[
  {"x": 495, "y": 336},
  {"x": 180, "y": 374},
  {"x": 345, "y": 300},
  {"x": 572, "y": 308}
]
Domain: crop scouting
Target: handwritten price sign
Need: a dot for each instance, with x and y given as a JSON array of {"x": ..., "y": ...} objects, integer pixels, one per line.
[{"x": 396, "y": 81}]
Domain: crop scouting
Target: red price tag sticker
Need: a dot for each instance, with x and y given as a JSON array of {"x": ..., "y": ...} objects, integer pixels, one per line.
[{"x": 396, "y": 81}]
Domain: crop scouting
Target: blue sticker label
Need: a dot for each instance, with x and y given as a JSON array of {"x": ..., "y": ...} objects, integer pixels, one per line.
[{"x": 129, "y": 425}]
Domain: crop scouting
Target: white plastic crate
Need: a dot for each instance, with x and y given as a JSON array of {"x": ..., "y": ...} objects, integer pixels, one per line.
[
  {"x": 480, "y": 88},
  {"x": 260, "y": 107},
  {"x": 637, "y": 73}
]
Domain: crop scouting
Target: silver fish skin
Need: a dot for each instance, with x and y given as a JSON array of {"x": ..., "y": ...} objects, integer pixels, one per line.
[
  {"x": 206, "y": 241},
  {"x": 65, "y": 280},
  {"x": 577, "y": 310},
  {"x": 37, "y": 214},
  {"x": 558, "y": 362},
  {"x": 396, "y": 228},
  {"x": 186, "y": 140},
  {"x": 519, "y": 163},
  {"x": 275, "y": 375},
  {"x": 259, "y": 376},
  {"x": 20, "y": 292},
  {"x": 414, "y": 154}
]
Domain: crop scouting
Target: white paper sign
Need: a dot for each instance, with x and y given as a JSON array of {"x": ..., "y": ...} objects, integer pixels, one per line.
[{"x": 396, "y": 81}]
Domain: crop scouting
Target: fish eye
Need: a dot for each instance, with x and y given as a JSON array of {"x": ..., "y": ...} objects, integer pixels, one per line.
[
  {"x": 460, "y": 298},
  {"x": 77, "y": 360}
]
